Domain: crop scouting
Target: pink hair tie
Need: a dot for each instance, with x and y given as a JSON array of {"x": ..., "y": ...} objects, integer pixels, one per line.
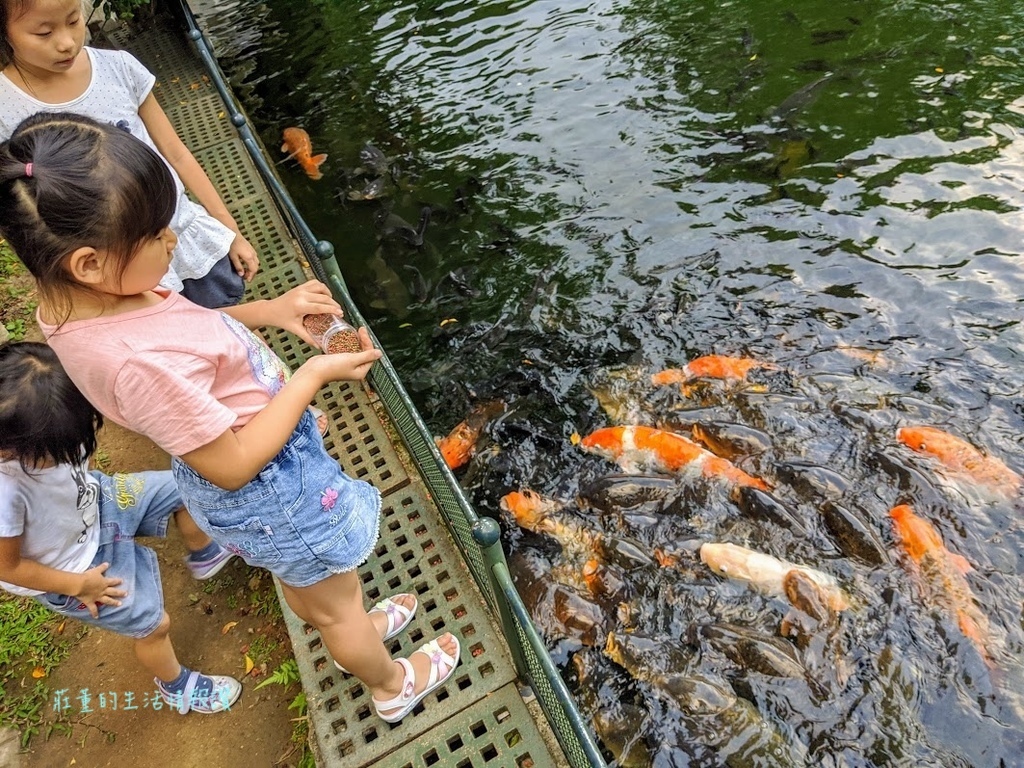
[{"x": 28, "y": 170}]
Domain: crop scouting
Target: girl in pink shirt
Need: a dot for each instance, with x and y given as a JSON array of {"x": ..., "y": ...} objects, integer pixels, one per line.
[{"x": 86, "y": 207}]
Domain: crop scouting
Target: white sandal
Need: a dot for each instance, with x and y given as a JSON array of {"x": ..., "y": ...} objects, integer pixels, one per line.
[
  {"x": 398, "y": 618},
  {"x": 405, "y": 701}
]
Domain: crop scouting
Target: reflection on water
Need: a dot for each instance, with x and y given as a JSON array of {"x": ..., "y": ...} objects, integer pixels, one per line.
[{"x": 614, "y": 188}]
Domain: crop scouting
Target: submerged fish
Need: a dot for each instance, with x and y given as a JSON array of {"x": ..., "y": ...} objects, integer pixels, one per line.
[
  {"x": 713, "y": 713},
  {"x": 635, "y": 446},
  {"x": 961, "y": 457},
  {"x": 766, "y": 573},
  {"x": 543, "y": 515},
  {"x": 458, "y": 446},
  {"x": 619, "y": 724},
  {"x": 298, "y": 145},
  {"x": 710, "y": 367},
  {"x": 942, "y": 572},
  {"x": 731, "y": 440}
]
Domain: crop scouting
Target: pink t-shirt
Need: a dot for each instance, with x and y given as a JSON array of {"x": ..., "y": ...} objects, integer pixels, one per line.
[{"x": 175, "y": 372}]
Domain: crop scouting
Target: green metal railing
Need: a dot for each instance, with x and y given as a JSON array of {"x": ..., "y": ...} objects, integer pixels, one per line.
[{"x": 477, "y": 538}]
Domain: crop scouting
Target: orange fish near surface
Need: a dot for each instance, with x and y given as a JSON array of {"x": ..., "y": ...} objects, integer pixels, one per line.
[
  {"x": 297, "y": 145},
  {"x": 961, "y": 457},
  {"x": 943, "y": 573},
  {"x": 458, "y": 446},
  {"x": 667, "y": 451},
  {"x": 710, "y": 367}
]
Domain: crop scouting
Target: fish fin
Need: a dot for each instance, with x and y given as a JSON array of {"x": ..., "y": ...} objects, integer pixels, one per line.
[
  {"x": 318, "y": 160},
  {"x": 960, "y": 563},
  {"x": 284, "y": 148}
]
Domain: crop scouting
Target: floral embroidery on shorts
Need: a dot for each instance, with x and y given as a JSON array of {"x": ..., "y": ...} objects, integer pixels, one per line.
[{"x": 329, "y": 498}]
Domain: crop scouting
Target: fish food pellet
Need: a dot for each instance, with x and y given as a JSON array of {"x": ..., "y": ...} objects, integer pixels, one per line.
[
  {"x": 343, "y": 341},
  {"x": 332, "y": 334}
]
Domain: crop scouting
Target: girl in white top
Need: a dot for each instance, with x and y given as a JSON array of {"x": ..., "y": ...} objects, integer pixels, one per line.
[{"x": 47, "y": 68}]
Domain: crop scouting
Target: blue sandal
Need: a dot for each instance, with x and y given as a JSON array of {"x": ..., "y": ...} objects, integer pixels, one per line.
[{"x": 224, "y": 691}]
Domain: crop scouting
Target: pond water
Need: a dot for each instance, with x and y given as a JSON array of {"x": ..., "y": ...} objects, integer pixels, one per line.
[{"x": 615, "y": 188}]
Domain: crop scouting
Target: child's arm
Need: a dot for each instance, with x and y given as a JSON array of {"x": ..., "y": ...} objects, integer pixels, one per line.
[
  {"x": 287, "y": 310},
  {"x": 242, "y": 254},
  {"x": 235, "y": 458},
  {"x": 91, "y": 587}
]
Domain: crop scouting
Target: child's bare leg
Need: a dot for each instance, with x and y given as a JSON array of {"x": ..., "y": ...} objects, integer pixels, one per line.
[
  {"x": 156, "y": 653},
  {"x": 195, "y": 539},
  {"x": 335, "y": 607}
]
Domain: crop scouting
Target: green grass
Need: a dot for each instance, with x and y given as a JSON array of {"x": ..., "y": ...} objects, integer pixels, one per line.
[{"x": 31, "y": 646}]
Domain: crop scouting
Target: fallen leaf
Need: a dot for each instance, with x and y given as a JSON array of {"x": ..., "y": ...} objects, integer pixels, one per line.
[
  {"x": 227, "y": 627},
  {"x": 575, "y": 438},
  {"x": 405, "y": 325},
  {"x": 249, "y": 664},
  {"x": 448, "y": 320},
  {"x": 254, "y": 583},
  {"x": 60, "y": 628},
  {"x": 38, "y": 672}
]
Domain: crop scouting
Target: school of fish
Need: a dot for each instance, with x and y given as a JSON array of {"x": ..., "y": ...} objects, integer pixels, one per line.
[{"x": 597, "y": 592}]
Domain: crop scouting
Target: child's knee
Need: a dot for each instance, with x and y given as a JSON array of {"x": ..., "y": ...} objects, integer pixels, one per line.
[{"x": 162, "y": 629}]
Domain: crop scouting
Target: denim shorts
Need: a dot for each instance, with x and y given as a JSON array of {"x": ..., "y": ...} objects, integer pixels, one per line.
[
  {"x": 220, "y": 287},
  {"x": 301, "y": 517},
  {"x": 130, "y": 505}
]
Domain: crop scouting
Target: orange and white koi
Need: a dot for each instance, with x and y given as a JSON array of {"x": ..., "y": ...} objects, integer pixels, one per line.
[
  {"x": 633, "y": 446},
  {"x": 530, "y": 510},
  {"x": 961, "y": 457},
  {"x": 942, "y": 572},
  {"x": 299, "y": 146},
  {"x": 710, "y": 367},
  {"x": 457, "y": 446},
  {"x": 767, "y": 574}
]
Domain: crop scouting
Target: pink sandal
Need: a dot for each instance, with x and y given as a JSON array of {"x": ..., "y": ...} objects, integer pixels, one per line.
[
  {"x": 398, "y": 618},
  {"x": 442, "y": 666}
]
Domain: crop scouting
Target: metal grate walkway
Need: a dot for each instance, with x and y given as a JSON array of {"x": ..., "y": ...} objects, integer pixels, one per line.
[{"x": 478, "y": 718}]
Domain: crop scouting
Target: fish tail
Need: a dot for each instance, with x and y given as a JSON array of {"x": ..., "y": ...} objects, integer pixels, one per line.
[{"x": 715, "y": 466}]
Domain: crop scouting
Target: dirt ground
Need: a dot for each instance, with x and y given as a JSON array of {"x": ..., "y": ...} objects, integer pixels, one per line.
[{"x": 215, "y": 626}]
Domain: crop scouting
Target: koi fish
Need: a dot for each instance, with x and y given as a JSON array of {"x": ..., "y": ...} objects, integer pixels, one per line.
[
  {"x": 942, "y": 572},
  {"x": 666, "y": 451},
  {"x": 767, "y": 574},
  {"x": 961, "y": 457},
  {"x": 458, "y": 446},
  {"x": 543, "y": 515},
  {"x": 710, "y": 367},
  {"x": 530, "y": 510},
  {"x": 298, "y": 145}
]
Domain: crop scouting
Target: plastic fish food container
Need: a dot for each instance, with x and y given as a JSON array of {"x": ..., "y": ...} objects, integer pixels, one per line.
[{"x": 332, "y": 334}]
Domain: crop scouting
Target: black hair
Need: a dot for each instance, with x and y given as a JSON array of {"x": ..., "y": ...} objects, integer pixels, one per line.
[
  {"x": 7, "y": 10},
  {"x": 89, "y": 185},
  {"x": 43, "y": 416}
]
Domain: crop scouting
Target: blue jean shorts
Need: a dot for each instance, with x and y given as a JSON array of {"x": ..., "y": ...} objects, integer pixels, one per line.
[
  {"x": 130, "y": 505},
  {"x": 220, "y": 287},
  {"x": 301, "y": 517}
]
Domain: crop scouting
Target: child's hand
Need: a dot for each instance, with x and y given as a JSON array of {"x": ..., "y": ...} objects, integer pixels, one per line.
[
  {"x": 346, "y": 366},
  {"x": 310, "y": 298},
  {"x": 243, "y": 258},
  {"x": 97, "y": 589}
]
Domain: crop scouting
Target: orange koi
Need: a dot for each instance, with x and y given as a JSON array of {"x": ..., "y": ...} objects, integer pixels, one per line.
[
  {"x": 710, "y": 367},
  {"x": 961, "y": 457},
  {"x": 667, "y": 451},
  {"x": 943, "y": 573},
  {"x": 458, "y": 446},
  {"x": 298, "y": 145},
  {"x": 530, "y": 510}
]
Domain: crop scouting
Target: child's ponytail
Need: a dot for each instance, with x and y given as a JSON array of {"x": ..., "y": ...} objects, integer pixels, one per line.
[{"x": 67, "y": 182}]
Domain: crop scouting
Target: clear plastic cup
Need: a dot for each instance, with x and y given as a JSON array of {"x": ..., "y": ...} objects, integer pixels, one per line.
[{"x": 332, "y": 334}]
